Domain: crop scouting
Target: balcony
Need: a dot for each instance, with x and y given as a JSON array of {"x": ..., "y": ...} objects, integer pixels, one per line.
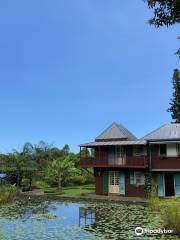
[{"x": 128, "y": 162}]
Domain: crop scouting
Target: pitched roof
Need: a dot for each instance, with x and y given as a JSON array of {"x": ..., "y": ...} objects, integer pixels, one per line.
[
  {"x": 113, "y": 143},
  {"x": 116, "y": 132},
  {"x": 165, "y": 132}
]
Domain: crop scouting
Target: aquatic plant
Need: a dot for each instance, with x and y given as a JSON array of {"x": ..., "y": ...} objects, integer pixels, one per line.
[
  {"x": 42, "y": 219},
  {"x": 2, "y": 235}
]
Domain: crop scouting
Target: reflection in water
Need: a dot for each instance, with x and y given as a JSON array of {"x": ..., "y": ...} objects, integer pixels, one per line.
[
  {"x": 87, "y": 217},
  {"x": 48, "y": 219}
]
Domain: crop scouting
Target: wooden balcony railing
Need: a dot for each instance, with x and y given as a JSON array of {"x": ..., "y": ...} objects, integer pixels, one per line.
[{"x": 129, "y": 162}]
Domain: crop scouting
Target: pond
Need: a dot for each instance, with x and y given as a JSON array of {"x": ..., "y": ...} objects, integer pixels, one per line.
[{"x": 49, "y": 219}]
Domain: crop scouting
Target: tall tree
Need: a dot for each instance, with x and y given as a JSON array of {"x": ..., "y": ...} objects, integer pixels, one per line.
[
  {"x": 175, "y": 101},
  {"x": 166, "y": 12}
]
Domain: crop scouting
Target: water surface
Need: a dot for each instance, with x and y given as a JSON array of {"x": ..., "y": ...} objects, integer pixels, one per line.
[{"x": 48, "y": 219}]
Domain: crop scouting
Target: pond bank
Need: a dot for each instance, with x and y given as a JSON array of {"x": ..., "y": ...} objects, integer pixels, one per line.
[
  {"x": 91, "y": 197},
  {"x": 101, "y": 198}
]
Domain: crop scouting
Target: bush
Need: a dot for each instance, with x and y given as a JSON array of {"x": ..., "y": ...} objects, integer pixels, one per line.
[
  {"x": 147, "y": 184},
  {"x": 41, "y": 184},
  {"x": 7, "y": 193},
  {"x": 25, "y": 184},
  {"x": 154, "y": 200},
  {"x": 78, "y": 180},
  {"x": 171, "y": 217}
]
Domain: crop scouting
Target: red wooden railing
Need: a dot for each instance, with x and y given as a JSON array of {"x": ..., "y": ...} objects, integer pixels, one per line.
[{"x": 129, "y": 162}]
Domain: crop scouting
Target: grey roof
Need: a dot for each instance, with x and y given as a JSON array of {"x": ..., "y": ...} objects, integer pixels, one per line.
[
  {"x": 113, "y": 143},
  {"x": 115, "y": 131},
  {"x": 165, "y": 132}
]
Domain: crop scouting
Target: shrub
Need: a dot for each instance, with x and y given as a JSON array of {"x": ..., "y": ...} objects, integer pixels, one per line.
[
  {"x": 25, "y": 184},
  {"x": 41, "y": 184},
  {"x": 171, "y": 217},
  {"x": 147, "y": 184},
  {"x": 154, "y": 200},
  {"x": 7, "y": 193},
  {"x": 78, "y": 180}
]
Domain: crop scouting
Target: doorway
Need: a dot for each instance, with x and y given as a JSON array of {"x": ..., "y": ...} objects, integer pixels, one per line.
[
  {"x": 114, "y": 182},
  {"x": 169, "y": 184}
]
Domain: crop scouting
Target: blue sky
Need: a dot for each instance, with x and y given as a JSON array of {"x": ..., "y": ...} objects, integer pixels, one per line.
[{"x": 70, "y": 68}]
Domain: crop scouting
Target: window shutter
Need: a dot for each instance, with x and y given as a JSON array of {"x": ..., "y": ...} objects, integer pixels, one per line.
[
  {"x": 131, "y": 177},
  {"x": 177, "y": 184},
  {"x": 142, "y": 179},
  {"x": 121, "y": 183},
  {"x": 160, "y": 183},
  {"x": 105, "y": 182}
]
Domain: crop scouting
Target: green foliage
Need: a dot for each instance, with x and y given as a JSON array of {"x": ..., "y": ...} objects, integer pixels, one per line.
[
  {"x": 147, "y": 185},
  {"x": 171, "y": 217},
  {"x": 7, "y": 193},
  {"x": 25, "y": 184},
  {"x": 72, "y": 191},
  {"x": 168, "y": 210},
  {"x": 60, "y": 170},
  {"x": 42, "y": 165},
  {"x": 154, "y": 200},
  {"x": 175, "y": 101},
  {"x": 41, "y": 184},
  {"x": 166, "y": 12}
]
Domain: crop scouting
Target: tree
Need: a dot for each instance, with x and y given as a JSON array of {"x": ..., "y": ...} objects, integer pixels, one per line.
[
  {"x": 66, "y": 150},
  {"x": 175, "y": 101},
  {"x": 60, "y": 170},
  {"x": 166, "y": 12},
  {"x": 24, "y": 163}
]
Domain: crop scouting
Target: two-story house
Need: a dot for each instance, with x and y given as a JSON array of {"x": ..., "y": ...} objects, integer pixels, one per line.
[
  {"x": 164, "y": 158},
  {"x": 121, "y": 161}
]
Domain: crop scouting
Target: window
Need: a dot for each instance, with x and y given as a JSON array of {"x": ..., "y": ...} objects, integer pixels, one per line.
[
  {"x": 162, "y": 149},
  {"x": 92, "y": 152},
  {"x": 137, "y": 178},
  {"x": 138, "y": 150},
  {"x": 178, "y": 149}
]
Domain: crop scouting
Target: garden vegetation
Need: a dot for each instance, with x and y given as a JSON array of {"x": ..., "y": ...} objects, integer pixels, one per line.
[{"x": 43, "y": 166}]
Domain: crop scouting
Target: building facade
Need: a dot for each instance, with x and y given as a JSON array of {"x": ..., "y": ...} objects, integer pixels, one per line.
[{"x": 121, "y": 162}]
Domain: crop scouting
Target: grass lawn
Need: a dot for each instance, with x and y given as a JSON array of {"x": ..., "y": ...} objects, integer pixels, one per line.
[{"x": 71, "y": 191}]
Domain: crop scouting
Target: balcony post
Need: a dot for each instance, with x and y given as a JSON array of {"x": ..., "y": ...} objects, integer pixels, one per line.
[
  {"x": 144, "y": 160},
  {"x": 99, "y": 155}
]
